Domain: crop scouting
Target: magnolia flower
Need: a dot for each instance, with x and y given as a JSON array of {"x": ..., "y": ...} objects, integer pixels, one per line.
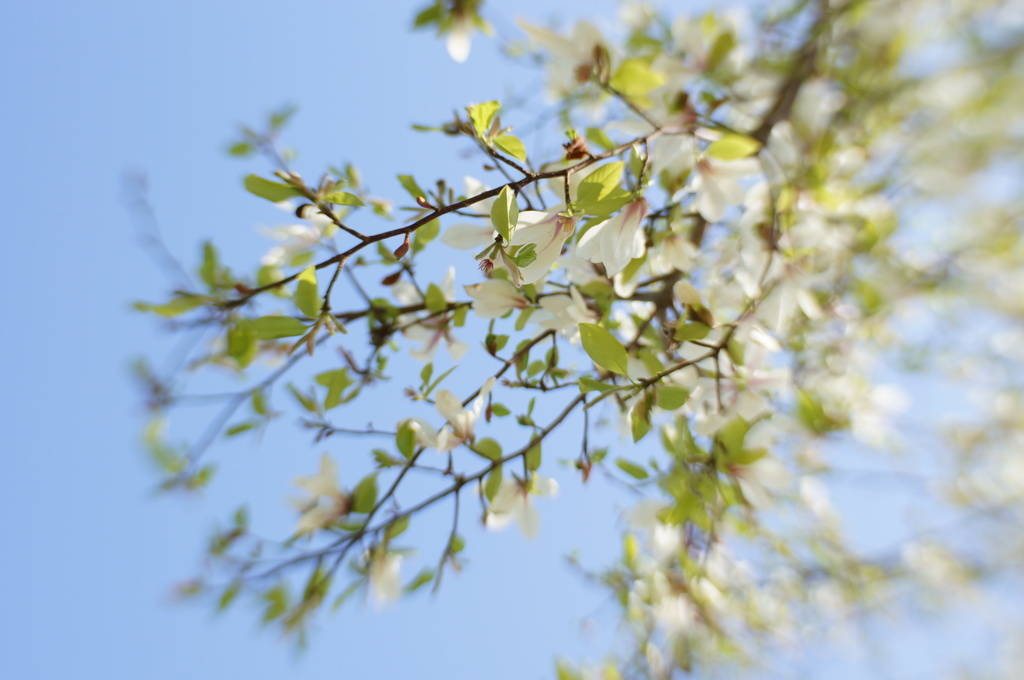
[
  {"x": 385, "y": 583},
  {"x": 616, "y": 241},
  {"x": 461, "y": 422},
  {"x": 514, "y": 501},
  {"x": 548, "y": 231},
  {"x": 327, "y": 503},
  {"x": 432, "y": 329},
  {"x": 563, "y": 313},
  {"x": 572, "y": 58},
  {"x": 296, "y": 238},
  {"x": 716, "y": 186},
  {"x": 495, "y": 297},
  {"x": 759, "y": 479}
]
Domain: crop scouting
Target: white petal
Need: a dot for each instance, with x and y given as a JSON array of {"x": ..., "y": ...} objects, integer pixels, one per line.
[
  {"x": 463, "y": 236},
  {"x": 459, "y": 43},
  {"x": 528, "y": 519}
]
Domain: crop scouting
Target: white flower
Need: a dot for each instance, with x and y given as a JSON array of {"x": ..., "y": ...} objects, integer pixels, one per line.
[
  {"x": 296, "y": 238},
  {"x": 495, "y": 297},
  {"x": 563, "y": 313},
  {"x": 458, "y": 42},
  {"x": 327, "y": 503},
  {"x": 572, "y": 57},
  {"x": 548, "y": 231},
  {"x": 616, "y": 241},
  {"x": 385, "y": 581},
  {"x": 514, "y": 501},
  {"x": 461, "y": 422},
  {"x": 432, "y": 329},
  {"x": 761, "y": 477},
  {"x": 717, "y": 187}
]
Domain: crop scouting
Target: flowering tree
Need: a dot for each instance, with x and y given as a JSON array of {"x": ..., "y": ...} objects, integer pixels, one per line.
[{"x": 751, "y": 221}]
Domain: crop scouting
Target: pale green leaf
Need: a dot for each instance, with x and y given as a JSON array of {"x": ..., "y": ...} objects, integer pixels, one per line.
[
  {"x": 733, "y": 147},
  {"x": 344, "y": 198},
  {"x": 505, "y": 213},
  {"x": 604, "y": 348},
  {"x": 273, "y": 327},
  {"x": 272, "y": 191},
  {"x": 511, "y": 145},
  {"x": 307, "y": 298}
]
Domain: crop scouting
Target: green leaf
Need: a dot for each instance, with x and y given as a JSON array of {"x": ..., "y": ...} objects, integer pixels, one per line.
[
  {"x": 208, "y": 270},
  {"x": 241, "y": 149},
  {"x": 488, "y": 448},
  {"x": 424, "y": 577},
  {"x": 640, "y": 416},
  {"x": 435, "y": 299},
  {"x": 511, "y": 145},
  {"x": 241, "y": 427},
  {"x": 610, "y": 204},
  {"x": 533, "y": 457},
  {"x": 344, "y": 198},
  {"x": 733, "y": 147},
  {"x": 335, "y": 382},
  {"x": 177, "y": 305},
  {"x": 405, "y": 439},
  {"x": 603, "y": 347},
  {"x": 600, "y": 138},
  {"x": 636, "y": 78},
  {"x": 482, "y": 115},
  {"x": 672, "y": 397},
  {"x": 723, "y": 45},
  {"x": 396, "y": 528},
  {"x": 277, "y": 602},
  {"x": 631, "y": 468},
  {"x": 591, "y": 385},
  {"x": 242, "y": 344},
  {"x": 273, "y": 327},
  {"x": 274, "y": 192},
  {"x": 500, "y": 410},
  {"x": 307, "y": 299},
  {"x": 410, "y": 185},
  {"x": 505, "y": 213},
  {"x": 364, "y": 496},
  {"x": 600, "y": 183},
  {"x": 526, "y": 255},
  {"x": 732, "y": 434},
  {"x": 493, "y": 483},
  {"x": 229, "y": 595},
  {"x": 694, "y": 330}
]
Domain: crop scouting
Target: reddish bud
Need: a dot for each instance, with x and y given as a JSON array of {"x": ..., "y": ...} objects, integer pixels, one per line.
[
  {"x": 242, "y": 288},
  {"x": 487, "y": 267},
  {"x": 401, "y": 250},
  {"x": 423, "y": 203},
  {"x": 577, "y": 148},
  {"x": 391, "y": 279}
]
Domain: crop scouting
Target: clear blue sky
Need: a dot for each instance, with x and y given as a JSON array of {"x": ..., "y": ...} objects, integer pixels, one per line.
[{"x": 94, "y": 89}]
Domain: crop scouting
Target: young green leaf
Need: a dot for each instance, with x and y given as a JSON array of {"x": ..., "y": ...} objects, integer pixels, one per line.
[
  {"x": 505, "y": 213},
  {"x": 481, "y": 116},
  {"x": 274, "y": 192},
  {"x": 273, "y": 327},
  {"x": 631, "y": 468},
  {"x": 364, "y": 496},
  {"x": 344, "y": 198},
  {"x": 307, "y": 297},
  {"x": 511, "y": 145},
  {"x": 604, "y": 348},
  {"x": 733, "y": 147}
]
